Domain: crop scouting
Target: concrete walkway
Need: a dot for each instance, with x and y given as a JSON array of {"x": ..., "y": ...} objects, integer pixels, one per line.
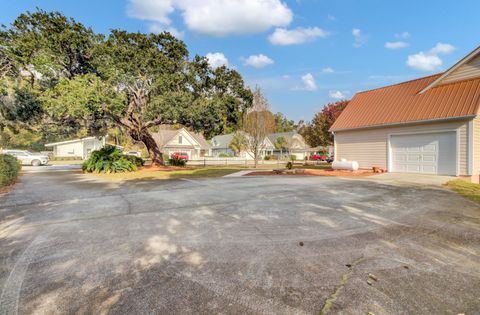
[
  {"x": 240, "y": 173},
  {"x": 412, "y": 179}
]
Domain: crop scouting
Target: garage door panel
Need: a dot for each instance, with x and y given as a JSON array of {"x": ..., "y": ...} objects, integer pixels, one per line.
[
  {"x": 414, "y": 157},
  {"x": 432, "y": 153},
  {"x": 428, "y": 157}
]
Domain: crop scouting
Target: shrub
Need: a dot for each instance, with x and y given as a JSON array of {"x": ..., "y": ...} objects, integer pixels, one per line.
[
  {"x": 175, "y": 161},
  {"x": 289, "y": 165},
  {"x": 135, "y": 160},
  {"x": 293, "y": 157},
  {"x": 109, "y": 159},
  {"x": 267, "y": 157},
  {"x": 224, "y": 155},
  {"x": 9, "y": 169}
]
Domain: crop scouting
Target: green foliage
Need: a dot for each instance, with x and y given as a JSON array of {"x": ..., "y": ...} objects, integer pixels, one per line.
[
  {"x": 9, "y": 169},
  {"x": 317, "y": 132},
  {"x": 289, "y": 165},
  {"x": 239, "y": 143},
  {"x": 175, "y": 161},
  {"x": 293, "y": 157},
  {"x": 78, "y": 81},
  {"x": 283, "y": 124},
  {"x": 224, "y": 155},
  {"x": 138, "y": 161},
  {"x": 280, "y": 143},
  {"x": 109, "y": 159}
]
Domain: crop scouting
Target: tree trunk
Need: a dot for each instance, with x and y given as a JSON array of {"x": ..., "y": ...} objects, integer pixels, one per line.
[{"x": 146, "y": 138}]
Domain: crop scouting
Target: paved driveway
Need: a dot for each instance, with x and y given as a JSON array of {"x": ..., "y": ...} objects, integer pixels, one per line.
[{"x": 70, "y": 244}]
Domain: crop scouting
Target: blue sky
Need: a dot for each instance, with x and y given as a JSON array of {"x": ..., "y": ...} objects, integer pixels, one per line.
[{"x": 303, "y": 53}]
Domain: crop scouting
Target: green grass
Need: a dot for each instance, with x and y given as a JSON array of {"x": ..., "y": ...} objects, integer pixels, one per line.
[
  {"x": 325, "y": 166},
  {"x": 468, "y": 190},
  {"x": 175, "y": 174}
]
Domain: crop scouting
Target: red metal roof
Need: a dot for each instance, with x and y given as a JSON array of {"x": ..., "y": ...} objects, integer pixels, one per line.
[{"x": 401, "y": 103}]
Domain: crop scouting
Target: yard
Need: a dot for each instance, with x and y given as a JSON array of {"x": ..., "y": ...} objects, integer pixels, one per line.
[{"x": 72, "y": 243}]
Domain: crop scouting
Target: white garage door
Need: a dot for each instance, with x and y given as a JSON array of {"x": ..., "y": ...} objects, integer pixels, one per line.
[{"x": 432, "y": 153}]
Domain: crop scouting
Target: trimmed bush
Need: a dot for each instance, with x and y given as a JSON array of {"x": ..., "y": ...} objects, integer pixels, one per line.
[
  {"x": 109, "y": 159},
  {"x": 289, "y": 165},
  {"x": 138, "y": 161},
  {"x": 293, "y": 157},
  {"x": 9, "y": 169},
  {"x": 224, "y": 155},
  {"x": 175, "y": 161}
]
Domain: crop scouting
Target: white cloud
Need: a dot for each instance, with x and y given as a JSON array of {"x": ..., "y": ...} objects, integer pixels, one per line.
[
  {"x": 424, "y": 62},
  {"x": 309, "y": 83},
  {"x": 151, "y": 10},
  {"x": 296, "y": 36},
  {"x": 441, "y": 48},
  {"x": 258, "y": 61},
  {"x": 217, "y": 60},
  {"x": 331, "y": 17},
  {"x": 285, "y": 76},
  {"x": 213, "y": 17},
  {"x": 337, "y": 95},
  {"x": 358, "y": 38},
  {"x": 158, "y": 28},
  {"x": 396, "y": 45},
  {"x": 328, "y": 70},
  {"x": 429, "y": 61},
  {"x": 403, "y": 35}
]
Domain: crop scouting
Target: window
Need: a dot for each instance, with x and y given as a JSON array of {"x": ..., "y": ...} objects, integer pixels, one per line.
[{"x": 180, "y": 139}]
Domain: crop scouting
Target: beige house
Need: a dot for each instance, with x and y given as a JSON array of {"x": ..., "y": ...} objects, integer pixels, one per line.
[
  {"x": 429, "y": 125},
  {"x": 182, "y": 141},
  {"x": 294, "y": 145}
]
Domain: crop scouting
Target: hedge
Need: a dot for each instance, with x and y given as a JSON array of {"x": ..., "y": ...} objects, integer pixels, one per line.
[{"x": 9, "y": 169}]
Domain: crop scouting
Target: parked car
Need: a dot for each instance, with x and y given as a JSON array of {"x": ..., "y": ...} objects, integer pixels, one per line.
[
  {"x": 318, "y": 157},
  {"x": 27, "y": 157},
  {"x": 180, "y": 155}
]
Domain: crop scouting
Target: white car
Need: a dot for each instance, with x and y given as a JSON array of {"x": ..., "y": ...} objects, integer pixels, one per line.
[{"x": 27, "y": 157}]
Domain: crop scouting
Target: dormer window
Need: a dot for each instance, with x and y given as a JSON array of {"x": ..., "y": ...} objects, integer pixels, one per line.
[{"x": 180, "y": 139}]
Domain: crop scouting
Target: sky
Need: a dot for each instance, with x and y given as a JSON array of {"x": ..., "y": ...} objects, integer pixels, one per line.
[{"x": 302, "y": 53}]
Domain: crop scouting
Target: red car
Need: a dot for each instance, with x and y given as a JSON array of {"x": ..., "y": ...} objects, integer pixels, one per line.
[
  {"x": 318, "y": 157},
  {"x": 180, "y": 155}
]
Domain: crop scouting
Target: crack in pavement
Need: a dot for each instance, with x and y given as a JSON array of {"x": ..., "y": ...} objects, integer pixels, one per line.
[{"x": 327, "y": 305}]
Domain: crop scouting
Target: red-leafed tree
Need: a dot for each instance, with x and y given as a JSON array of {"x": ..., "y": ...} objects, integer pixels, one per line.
[{"x": 316, "y": 133}]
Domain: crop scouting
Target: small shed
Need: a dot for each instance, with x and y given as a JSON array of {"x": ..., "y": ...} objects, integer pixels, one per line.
[{"x": 77, "y": 148}]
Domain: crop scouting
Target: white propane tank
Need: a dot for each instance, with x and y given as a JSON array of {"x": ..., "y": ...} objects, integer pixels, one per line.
[{"x": 343, "y": 164}]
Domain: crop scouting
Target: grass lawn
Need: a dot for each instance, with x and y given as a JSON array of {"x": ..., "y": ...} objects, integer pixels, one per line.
[
  {"x": 173, "y": 174},
  {"x": 325, "y": 166},
  {"x": 468, "y": 190}
]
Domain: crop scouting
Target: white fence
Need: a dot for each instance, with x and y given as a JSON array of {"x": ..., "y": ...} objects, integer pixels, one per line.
[
  {"x": 237, "y": 161},
  {"x": 218, "y": 161}
]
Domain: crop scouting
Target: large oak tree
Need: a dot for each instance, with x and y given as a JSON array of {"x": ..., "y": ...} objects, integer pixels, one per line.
[{"x": 133, "y": 81}]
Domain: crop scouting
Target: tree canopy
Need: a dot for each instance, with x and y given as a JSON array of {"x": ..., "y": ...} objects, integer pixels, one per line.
[
  {"x": 55, "y": 71},
  {"x": 317, "y": 132}
]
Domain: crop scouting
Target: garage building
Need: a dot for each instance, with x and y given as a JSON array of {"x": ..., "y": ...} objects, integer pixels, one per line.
[{"x": 428, "y": 125}]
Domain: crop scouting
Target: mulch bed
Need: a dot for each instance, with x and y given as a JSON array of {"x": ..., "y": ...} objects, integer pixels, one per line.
[{"x": 310, "y": 172}]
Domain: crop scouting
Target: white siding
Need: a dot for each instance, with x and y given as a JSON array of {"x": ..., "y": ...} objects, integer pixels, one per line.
[
  {"x": 476, "y": 146},
  {"x": 467, "y": 71},
  {"x": 369, "y": 147},
  {"x": 69, "y": 149}
]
